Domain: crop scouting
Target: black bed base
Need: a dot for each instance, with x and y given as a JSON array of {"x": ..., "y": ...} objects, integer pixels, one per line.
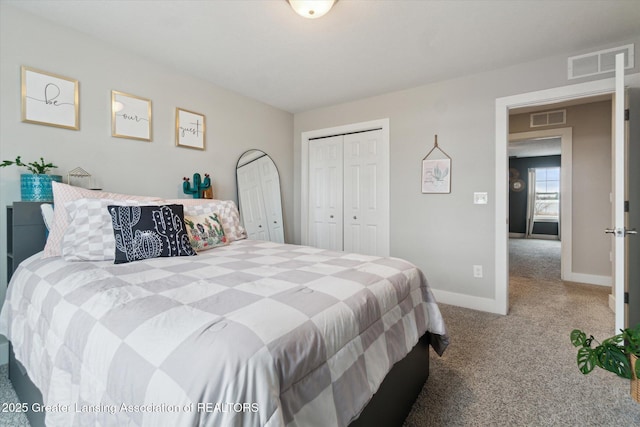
[
  {"x": 25, "y": 389},
  {"x": 388, "y": 407},
  {"x": 394, "y": 399}
]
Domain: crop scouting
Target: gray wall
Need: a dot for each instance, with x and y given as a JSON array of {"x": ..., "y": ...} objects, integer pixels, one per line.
[
  {"x": 445, "y": 235},
  {"x": 591, "y": 181},
  {"x": 234, "y": 123}
]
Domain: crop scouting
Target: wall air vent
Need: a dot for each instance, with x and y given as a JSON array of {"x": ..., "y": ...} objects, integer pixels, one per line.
[
  {"x": 548, "y": 118},
  {"x": 600, "y": 62}
]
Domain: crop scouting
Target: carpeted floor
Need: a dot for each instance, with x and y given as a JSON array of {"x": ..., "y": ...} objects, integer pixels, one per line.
[
  {"x": 520, "y": 369},
  {"x": 534, "y": 259},
  {"x": 515, "y": 370},
  {"x": 9, "y": 417}
]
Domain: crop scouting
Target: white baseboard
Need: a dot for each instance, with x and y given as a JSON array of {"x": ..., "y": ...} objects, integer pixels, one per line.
[
  {"x": 467, "y": 301},
  {"x": 4, "y": 351},
  {"x": 491, "y": 305},
  {"x": 534, "y": 236},
  {"x": 591, "y": 279},
  {"x": 545, "y": 236}
]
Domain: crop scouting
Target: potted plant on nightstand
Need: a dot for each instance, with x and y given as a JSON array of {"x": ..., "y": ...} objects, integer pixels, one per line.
[
  {"x": 35, "y": 186},
  {"x": 617, "y": 354}
]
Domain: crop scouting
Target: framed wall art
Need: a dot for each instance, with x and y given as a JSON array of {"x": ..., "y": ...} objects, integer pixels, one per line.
[
  {"x": 190, "y": 129},
  {"x": 49, "y": 99},
  {"x": 130, "y": 116},
  {"x": 436, "y": 171}
]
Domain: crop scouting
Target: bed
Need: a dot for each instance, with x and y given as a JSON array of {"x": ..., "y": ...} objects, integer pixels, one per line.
[{"x": 248, "y": 333}]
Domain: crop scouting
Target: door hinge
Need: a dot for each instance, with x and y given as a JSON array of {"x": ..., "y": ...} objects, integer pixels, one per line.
[
  {"x": 626, "y": 297},
  {"x": 626, "y": 206},
  {"x": 626, "y": 115}
]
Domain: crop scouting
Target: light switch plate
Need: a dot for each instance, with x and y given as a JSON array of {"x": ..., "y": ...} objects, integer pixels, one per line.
[
  {"x": 477, "y": 271},
  {"x": 480, "y": 198}
]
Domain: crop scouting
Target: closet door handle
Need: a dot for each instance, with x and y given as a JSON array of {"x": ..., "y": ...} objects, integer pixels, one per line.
[
  {"x": 330, "y": 216},
  {"x": 355, "y": 217}
]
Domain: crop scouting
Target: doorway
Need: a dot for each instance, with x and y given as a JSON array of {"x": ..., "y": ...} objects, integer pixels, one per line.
[
  {"x": 540, "y": 144},
  {"x": 571, "y": 93}
]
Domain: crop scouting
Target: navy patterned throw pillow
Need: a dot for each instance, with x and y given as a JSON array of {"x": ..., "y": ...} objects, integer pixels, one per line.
[{"x": 143, "y": 232}]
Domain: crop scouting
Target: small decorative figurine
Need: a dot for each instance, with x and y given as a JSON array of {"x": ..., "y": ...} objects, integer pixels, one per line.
[{"x": 198, "y": 187}]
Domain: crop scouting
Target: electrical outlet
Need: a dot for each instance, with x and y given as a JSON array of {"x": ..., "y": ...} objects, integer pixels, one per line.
[{"x": 477, "y": 271}]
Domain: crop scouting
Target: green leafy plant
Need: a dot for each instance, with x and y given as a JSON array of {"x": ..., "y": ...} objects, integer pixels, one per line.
[
  {"x": 612, "y": 354},
  {"x": 37, "y": 167}
]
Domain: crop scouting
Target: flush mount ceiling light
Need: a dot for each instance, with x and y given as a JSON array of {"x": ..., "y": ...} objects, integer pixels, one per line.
[{"x": 311, "y": 9}]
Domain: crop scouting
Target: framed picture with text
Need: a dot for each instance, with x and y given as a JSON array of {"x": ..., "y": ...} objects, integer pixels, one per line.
[
  {"x": 130, "y": 116},
  {"x": 190, "y": 129},
  {"x": 49, "y": 99}
]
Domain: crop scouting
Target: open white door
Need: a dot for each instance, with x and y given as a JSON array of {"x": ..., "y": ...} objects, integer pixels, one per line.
[
  {"x": 623, "y": 197},
  {"x": 633, "y": 215}
]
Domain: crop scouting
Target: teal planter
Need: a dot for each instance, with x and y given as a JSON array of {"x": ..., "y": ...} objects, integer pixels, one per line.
[{"x": 37, "y": 188}]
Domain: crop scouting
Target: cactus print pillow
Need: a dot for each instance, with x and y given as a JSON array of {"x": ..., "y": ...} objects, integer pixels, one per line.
[
  {"x": 205, "y": 231},
  {"x": 227, "y": 214},
  {"x": 143, "y": 232}
]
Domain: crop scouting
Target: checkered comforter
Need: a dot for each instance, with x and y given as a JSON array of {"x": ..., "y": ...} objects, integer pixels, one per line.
[{"x": 250, "y": 334}]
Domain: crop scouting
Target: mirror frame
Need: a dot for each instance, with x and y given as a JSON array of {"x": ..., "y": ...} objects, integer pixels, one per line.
[{"x": 240, "y": 164}]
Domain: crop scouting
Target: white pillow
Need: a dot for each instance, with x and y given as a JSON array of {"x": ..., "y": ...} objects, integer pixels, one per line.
[
  {"x": 63, "y": 193},
  {"x": 47, "y": 214},
  {"x": 89, "y": 233}
]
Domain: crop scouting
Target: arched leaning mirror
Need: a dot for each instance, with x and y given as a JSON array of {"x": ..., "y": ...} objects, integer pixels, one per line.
[{"x": 259, "y": 196}]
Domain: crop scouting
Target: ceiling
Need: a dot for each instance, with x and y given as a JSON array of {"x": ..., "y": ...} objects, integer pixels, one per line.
[{"x": 361, "y": 48}]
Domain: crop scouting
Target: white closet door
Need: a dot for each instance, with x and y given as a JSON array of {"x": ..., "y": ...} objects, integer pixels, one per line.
[
  {"x": 325, "y": 193},
  {"x": 252, "y": 206},
  {"x": 365, "y": 194},
  {"x": 271, "y": 194}
]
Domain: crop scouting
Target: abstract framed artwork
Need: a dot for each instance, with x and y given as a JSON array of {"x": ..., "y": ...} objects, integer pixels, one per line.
[
  {"x": 436, "y": 176},
  {"x": 49, "y": 99},
  {"x": 190, "y": 129},
  {"x": 130, "y": 116}
]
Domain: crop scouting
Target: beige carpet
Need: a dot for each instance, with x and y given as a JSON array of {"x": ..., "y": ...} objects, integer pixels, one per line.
[{"x": 520, "y": 369}]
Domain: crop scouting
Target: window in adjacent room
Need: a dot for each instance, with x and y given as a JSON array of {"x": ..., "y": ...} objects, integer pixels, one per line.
[{"x": 547, "y": 194}]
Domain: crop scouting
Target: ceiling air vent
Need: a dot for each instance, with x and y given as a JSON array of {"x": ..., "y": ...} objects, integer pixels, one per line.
[
  {"x": 548, "y": 118},
  {"x": 600, "y": 62}
]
